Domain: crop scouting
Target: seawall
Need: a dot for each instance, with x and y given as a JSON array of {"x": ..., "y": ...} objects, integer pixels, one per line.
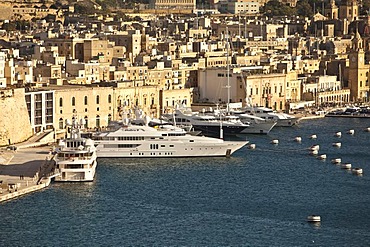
[{"x": 15, "y": 125}]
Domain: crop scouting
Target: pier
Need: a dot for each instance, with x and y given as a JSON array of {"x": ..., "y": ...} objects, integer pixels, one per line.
[{"x": 25, "y": 170}]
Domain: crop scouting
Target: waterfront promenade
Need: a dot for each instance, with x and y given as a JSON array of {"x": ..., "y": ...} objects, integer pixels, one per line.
[{"x": 24, "y": 170}]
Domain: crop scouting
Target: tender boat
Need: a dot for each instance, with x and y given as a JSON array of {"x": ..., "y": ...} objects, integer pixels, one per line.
[
  {"x": 130, "y": 141},
  {"x": 75, "y": 157}
]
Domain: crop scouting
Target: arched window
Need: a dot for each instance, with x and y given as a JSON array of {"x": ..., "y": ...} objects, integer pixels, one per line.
[
  {"x": 86, "y": 122},
  {"x": 97, "y": 99},
  {"x": 85, "y": 100},
  {"x": 109, "y": 118},
  {"x": 109, "y": 98},
  {"x": 61, "y": 102},
  {"x": 61, "y": 123},
  {"x": 97, "y": 121},
  {"x": 73, "y": 101}
]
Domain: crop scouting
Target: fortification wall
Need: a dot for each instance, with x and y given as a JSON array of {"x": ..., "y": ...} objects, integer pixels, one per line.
[{"x": 15, "y": 125}]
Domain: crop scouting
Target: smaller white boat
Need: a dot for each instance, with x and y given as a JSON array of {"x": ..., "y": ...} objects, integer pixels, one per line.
[
  {"x": 351, "y": 132},
  {"x": 338, "y": 134},
  {"x": 346, "y": 166},
  {"x": 275, "y": 141},
  {"x": 298, "y": 139},
  {"x": 337, "y": 144},
  {"x": 314, "y": 152},
  {"x": 313, "y": 137},
  {"x": 336, "y": 161},
  {"x": 252, "y": 146},
  {"x": 367, "y": 129},
  {"x": 357, "y": 171},
  {"x": 322, "y": 157},
  {"x": 314, "y": 218}
]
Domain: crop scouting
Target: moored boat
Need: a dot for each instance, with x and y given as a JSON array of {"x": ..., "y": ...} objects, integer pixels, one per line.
[
  {"x": 75, "y": 157},
  {"x": 131, "y": 141}
]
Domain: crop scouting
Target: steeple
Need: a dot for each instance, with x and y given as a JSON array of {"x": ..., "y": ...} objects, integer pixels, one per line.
[{"x": 357, "y": 42}]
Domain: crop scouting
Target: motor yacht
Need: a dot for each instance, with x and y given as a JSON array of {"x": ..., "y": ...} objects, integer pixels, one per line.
[
  {"x": 75, "y": 157},
  {"x": 133, "y": 141}
]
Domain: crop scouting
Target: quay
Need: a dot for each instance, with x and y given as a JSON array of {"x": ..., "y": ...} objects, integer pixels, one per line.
[{"x": 27, "y": 169}]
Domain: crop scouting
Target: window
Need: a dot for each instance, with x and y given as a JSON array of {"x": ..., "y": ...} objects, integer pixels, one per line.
[
  {"x": 97, "y": 121},
  {"x": 61, "y": 102},
  {"x": 60, "y": 123},
  {"x": 86, "y": 122},
  {"x": 109, "y": 99},
  {"x": 97, "y": 99},
  {"x": 73, "y": 101},
  {"x": 85, "y": 100}
]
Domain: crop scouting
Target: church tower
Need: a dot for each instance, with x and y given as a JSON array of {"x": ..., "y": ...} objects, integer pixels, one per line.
[
  {"x": 332, "y": 10},
  {"x": 348, "y": 9},
  {"x": 358, "y": 71}
]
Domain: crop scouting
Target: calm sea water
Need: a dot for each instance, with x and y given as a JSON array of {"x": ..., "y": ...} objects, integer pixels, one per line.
[{"x": 257, "y": 197}]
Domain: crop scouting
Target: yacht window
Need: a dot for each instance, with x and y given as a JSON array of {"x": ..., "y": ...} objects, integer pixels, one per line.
[
  {"x": 162, "y": 146},
  {"x": 191, "y": 140},
  {"x": 171, "y": 146}
]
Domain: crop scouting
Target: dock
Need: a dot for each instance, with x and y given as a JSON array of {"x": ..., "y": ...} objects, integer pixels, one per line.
[{"x": 25, "y": 170}]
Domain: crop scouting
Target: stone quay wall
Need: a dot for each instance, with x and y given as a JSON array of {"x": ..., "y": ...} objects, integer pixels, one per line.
[{"x": 15, "y": 124}]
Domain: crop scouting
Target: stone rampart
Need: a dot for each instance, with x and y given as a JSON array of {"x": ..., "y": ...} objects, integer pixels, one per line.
[{"x": 15, "y": 124}]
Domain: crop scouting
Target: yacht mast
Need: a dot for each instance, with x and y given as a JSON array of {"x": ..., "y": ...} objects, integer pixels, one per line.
[{"x": 228, "y": 71}]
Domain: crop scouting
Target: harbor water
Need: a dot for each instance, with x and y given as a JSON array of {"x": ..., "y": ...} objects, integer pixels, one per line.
[{"x": 258, "y": 197}]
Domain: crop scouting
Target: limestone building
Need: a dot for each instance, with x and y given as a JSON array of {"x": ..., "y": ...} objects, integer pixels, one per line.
[
  {"x": 172, "y": 4},
  {"x": 358, "y": 72}
]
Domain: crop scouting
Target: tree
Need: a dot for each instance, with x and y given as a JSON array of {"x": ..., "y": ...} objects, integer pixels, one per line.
[
  {"x": 304, "y": 8},
  {"x": 275, "y": 8}
]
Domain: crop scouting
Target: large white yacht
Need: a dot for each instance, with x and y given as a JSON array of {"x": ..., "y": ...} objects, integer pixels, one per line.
[
  {"x": 132, "y": 141},
  {"x": 281, "y": 119},
  {"x": 75, "y": 157},
  {"x": 209, "y": 125}
]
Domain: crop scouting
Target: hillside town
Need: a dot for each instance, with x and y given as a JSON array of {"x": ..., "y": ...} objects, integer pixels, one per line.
[{"x": 56, "y": 62}]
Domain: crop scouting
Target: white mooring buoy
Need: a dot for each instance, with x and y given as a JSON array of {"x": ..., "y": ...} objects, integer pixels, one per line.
[
  {"x": 346, "y": 166},
  {"x": 351, "y": 132},
  {"x": 357, "y": 171},
  {"x": 298, "y": 139},
  {"x": 314, "y": 218},
  {"x": 338, "y": 134},
  {"x": 337, "y": 144},
  {"x": 336, "y": 161},
  {"x": 313, "y": 136},
  {"x": 322, "y": 156},
  {"x": 252, "y": 146},
  {"x": 275, "y": 141}
]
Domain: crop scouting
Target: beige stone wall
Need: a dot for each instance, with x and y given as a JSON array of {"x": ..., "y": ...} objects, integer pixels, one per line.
[
  {"x": 6, "y": 11},
  {"x": 15, "y": 125},
  {"x": 98, "y": 107}
]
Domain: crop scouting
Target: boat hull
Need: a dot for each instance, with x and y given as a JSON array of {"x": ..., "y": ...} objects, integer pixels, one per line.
[
  {"x": 260, "y": 128},
  {"x": 222, "y": 149}
]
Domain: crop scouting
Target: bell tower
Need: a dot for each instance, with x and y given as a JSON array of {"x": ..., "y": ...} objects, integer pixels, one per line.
[
  {"x": 348, "y": 9},
  {"x": 332, "y": 10},
  {"x": 358, "y": 71}
]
